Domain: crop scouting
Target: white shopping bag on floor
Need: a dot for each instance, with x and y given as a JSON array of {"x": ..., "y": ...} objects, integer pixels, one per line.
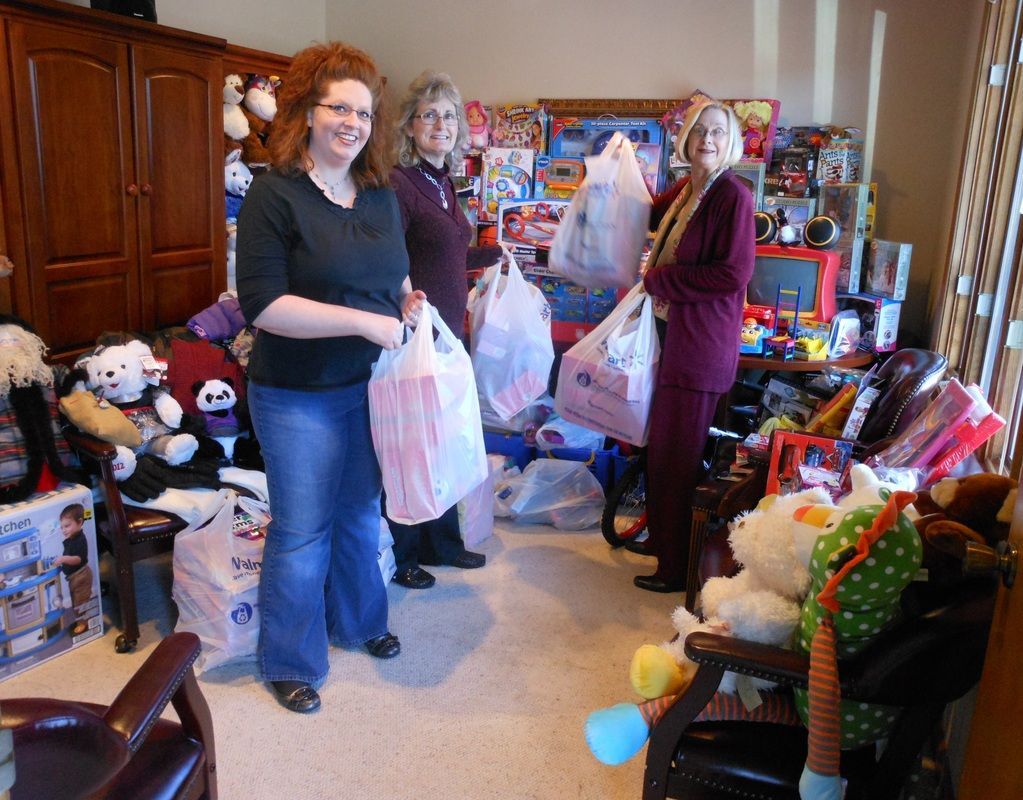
[
  {"x": 510, "y": 340},
  {"x": 606, "y": 381},
  {"x": 600, "y": 239},
  {"x": 425, "y": 420},
  {"x": 216, "y": 587}
]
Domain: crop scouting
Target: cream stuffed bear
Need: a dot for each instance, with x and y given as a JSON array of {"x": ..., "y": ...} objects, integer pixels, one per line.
[
  {"x": 761, "y": 603},
  {"x": 124, "y": 376},
  {"x": 236, "y": 125}
]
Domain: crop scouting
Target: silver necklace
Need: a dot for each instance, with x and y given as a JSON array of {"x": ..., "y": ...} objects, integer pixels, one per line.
[
  {"x": 329, "y": 187},
  {"x": 440, "y": 189}
]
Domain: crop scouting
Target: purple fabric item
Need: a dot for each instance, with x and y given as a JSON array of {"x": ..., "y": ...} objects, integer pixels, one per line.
[
  {"x": 705, "y": 287},
  {"x": 437, "y": 241},
  {"x": 219, "y": 321}
]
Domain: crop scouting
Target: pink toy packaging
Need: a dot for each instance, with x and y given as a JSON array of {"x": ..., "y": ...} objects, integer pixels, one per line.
[
  {"x": 478, "y": 117},
  {"x": 520, "y": 126}
]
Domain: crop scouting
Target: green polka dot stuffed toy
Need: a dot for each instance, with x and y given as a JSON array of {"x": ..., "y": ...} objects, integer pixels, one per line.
[{"x": 861, "y": 562}]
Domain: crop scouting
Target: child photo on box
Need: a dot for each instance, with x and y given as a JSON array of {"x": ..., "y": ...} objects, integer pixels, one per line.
[{"x": 74, "y": 562}]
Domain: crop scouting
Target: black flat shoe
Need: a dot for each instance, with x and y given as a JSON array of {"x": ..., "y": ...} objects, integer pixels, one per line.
[
  {"x": 654, "y": 584},
  {"x": 468, "y": 560},
  {"x": 386, "y": 646},
  {"x": 640, "y": 548},
  {"x": 297, "y": 696},
  {"x": 414, "y": 578}
]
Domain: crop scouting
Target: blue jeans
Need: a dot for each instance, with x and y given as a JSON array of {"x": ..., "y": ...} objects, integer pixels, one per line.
[{"x": 320, "y": 580}]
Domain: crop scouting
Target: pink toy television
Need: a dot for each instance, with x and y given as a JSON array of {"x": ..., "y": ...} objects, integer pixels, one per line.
[{"x": 812, "y": 272}]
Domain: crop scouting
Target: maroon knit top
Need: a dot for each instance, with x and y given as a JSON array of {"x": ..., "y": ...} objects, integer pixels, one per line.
[{"x": 438, "y": 241}]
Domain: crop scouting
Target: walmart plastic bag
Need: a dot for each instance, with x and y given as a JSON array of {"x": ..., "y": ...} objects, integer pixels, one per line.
[
  {"x": 425, "y": 419},
  {"x": 606, "y": 381},
  {"x": 216, "y": 584},
  {"x": 510, "y": 340},
  {"x": 548, "y": 492},
  {"x": 599, "y": 242}
]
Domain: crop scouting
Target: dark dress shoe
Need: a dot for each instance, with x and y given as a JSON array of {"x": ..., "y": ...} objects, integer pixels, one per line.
[
  {"x": 297, "y": 696},
  {"x": 640, "y": 548},
  {"x": 414, "y": 578},
  {"x": 654, "y": 584},
  {"x": 386, "y": 646},
  {"x": 468, "y": 560}
]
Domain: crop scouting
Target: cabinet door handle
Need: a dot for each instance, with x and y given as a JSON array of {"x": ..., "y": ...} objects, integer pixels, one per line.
[
  {"x": 131, "y": 190},
  {"x": 147, "y": 189}
]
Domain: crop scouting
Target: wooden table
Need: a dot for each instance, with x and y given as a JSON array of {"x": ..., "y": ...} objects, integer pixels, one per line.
[{"x": 858, "y": 358}]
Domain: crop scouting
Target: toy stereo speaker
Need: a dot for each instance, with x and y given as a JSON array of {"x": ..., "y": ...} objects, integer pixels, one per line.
[{"x": 140, "y": 9}]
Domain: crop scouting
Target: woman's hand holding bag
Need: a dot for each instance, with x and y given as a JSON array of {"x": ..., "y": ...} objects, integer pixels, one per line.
[
  {"x": 599, "y": 242},
  {"x": 426, "y": 426}
]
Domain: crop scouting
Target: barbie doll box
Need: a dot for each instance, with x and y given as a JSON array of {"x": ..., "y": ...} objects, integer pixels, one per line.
[
  {"x": 49, "y": 580},
  {"x": 888, "y": 269}
]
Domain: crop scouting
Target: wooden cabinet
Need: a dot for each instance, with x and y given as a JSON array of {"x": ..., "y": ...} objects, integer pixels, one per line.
[{"x": 119, "y": 165}]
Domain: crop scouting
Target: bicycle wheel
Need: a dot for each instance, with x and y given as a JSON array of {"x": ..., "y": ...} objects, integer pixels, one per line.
[{"x": 624, "y": 515}]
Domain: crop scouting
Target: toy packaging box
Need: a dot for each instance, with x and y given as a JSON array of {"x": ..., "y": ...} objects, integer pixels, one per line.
[
  {"x": 49, "y": 578},
  {"x": 467, "y": 192},
  {"x": 520, "y": 126},
  {"x": 751, "y": 173},
  {"x": 792, "y": 211},
  {"x": 527, "y": 227},
  {"x": 879, "y": 320},
  {"x": 507, "y": 175},
  {"x": 558, "y": 177},
  {"x": 793, "y": 173},
  {"x": 588, "y": 136},
  {"x": 784, "y": 398},
  {"x": 802, "y": 460},
  {"x": 846, "y": 203},
  {"x": 841, "y": 160},
  {"x": 888, "y": 269}
]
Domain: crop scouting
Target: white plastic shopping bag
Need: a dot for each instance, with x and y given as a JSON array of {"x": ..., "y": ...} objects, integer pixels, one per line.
[
  {"x": 600, "y": 239},
  {"x": 606, "y": 381},
  {"x": 510, "y": 340},
  {"x": 426, "y": 426},
  {"x": 216, "y": 586},
  {"x": 564, "y": 494}
]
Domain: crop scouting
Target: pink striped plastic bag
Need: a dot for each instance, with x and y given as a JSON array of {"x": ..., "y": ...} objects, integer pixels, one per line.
[{"x": 425, "y": 418}]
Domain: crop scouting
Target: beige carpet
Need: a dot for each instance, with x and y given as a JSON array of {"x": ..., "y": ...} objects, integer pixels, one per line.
[{"x": 499, "y": 668}]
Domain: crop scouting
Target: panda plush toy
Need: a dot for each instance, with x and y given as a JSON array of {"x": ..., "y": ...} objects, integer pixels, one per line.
[{"x": 216, "y": 400}]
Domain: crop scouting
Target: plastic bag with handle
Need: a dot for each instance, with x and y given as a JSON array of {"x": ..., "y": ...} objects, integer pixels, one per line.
[{"x": 599, "y": 242}]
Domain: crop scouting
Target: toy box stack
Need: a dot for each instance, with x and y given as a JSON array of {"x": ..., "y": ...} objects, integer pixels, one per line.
[{"x": 49, "y": 578}]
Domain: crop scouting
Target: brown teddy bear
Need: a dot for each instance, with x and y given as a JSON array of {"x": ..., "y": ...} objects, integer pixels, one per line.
[{"x": 975, "y": 508}]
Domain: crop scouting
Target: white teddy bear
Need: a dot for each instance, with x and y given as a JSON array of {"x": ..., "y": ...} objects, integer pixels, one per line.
[
  {"x": 123, "y": 375},
  {"x": 761, "y": 603}
]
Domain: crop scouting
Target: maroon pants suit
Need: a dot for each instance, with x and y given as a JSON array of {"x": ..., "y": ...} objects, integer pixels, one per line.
[{"x": 704, "y": 282}]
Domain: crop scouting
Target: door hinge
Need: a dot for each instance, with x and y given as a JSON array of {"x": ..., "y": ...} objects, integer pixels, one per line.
[
  {"x": 996, "y": 77},
  {"x": 985, "y": 302},
  {"x": 964, "y": 286},
  {"x": 1014, "y": 338}
]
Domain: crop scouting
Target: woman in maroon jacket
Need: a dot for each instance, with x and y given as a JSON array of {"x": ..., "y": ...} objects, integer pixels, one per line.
[
  {"x": 698, "y": 269},
  {"x": 431, "y": 130}
]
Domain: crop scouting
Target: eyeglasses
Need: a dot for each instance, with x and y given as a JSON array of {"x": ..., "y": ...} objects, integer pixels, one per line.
[
  {"x": 715, "y": 133},
  {"x": 431, "y": 117},
  {"x": 341, "y": 110}
]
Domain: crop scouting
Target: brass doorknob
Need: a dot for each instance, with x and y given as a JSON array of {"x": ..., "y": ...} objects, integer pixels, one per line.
[{"x": 980, "y": 559}]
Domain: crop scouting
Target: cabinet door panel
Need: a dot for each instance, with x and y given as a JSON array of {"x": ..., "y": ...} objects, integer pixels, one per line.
[
  {"x": 179, "y": 115},
  {"x": 72, "y": 100}
]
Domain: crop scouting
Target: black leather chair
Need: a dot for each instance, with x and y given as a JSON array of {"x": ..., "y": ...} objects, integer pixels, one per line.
[
  {"x": 68, "y": 750},
  {"x": 932, "y": 658},
  {"x": 906, "y": 381}
]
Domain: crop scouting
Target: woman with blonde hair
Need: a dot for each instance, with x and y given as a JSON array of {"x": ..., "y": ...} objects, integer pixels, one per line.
[
  {"x": 431, "y": 131},
  {"x": 698, "y": 268}
]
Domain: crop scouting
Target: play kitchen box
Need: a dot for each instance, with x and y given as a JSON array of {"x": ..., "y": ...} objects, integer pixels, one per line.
[{"x": 49, "y": 578}]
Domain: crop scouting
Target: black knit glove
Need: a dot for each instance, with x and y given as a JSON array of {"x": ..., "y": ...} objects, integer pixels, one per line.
[{"x": 145, "y": 483}]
